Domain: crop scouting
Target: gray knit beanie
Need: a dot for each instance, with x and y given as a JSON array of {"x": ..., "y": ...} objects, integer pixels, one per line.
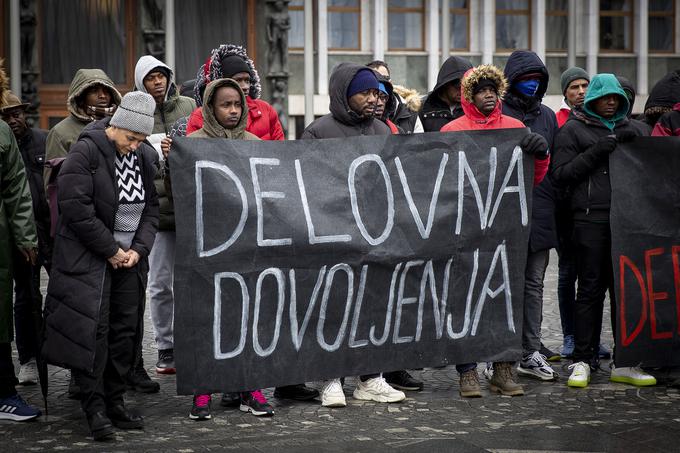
[
  {"x": 135, "y": 113},
  {"x": 571, "y": 74}
]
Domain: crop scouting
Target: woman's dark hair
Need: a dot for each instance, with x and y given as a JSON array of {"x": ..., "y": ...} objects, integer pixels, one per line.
[{"x": 375, "y": 64}]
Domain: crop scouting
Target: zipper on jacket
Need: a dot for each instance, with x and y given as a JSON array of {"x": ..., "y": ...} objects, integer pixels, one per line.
[{"x": 588, "y": 204}]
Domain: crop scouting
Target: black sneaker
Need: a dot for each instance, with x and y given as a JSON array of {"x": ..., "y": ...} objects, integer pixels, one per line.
[
  {"x": 403, "y": 381},
  {"x": 137, "y": 379},
  {"x": 550, "y": 356},
  {"x": 200, "y": 409},
  {"x": 255, "y": 403},
  {"x": 166, "y": 361},
  {"x": 230, "y": 399},
  {"x": 298, "y": 392}
]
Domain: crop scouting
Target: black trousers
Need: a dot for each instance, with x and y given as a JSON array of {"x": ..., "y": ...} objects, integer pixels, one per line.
[
  {"x": 116, "y": 341},
  {"x": 8, "y": 379},
  {"x": 27, "y": 306},
  {"x": 592, "y": 246}
]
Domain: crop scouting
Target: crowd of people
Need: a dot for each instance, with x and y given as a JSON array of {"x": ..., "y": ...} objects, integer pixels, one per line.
[{"x": 91, "y": 202}]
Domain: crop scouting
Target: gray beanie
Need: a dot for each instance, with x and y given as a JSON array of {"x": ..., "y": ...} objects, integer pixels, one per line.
[
  {"x": 135, "y": 113},
  {"x": 571, "y": 74}
]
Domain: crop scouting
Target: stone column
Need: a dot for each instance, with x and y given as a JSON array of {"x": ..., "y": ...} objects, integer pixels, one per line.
[{"x": 277, "y": 26}]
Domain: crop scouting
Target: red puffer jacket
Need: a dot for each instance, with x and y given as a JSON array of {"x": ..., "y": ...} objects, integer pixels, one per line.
[{"x": 262, "y": 120}]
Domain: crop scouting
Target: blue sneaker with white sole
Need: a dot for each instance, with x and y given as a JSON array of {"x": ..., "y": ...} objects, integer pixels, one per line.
[{"x": 16, "y": 409}]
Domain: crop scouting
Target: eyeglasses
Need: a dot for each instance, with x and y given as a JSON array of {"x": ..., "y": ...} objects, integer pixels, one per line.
[{"x": 382, "y": 97}]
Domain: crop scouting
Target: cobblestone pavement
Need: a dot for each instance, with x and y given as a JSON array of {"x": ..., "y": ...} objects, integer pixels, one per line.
[{"x": 605, "y": 417}]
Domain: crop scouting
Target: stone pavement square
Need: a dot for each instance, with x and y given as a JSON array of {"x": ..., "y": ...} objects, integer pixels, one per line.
[{"x": 605, "y": 417}]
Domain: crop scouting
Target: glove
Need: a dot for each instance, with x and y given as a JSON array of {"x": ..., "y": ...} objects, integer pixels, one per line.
[
  {"x": 535, "y": 145},
  {"x": 605, "y": 145},
  {"x": 625, "y": 135}
]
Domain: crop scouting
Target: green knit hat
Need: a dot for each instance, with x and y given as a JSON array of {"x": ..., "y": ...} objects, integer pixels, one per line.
[{"x": 571, "y": 74}]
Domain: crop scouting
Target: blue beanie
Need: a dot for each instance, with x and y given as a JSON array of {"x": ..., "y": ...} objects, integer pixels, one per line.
[{"x": 363, "y": 80}]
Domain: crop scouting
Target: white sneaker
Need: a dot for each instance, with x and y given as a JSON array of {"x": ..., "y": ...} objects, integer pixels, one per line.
[
  {"x": 535, "y": 365},
  {"x": 332, "y": 394},
  {"x": 377, "y": 389},
  {"x": 580, "y": 375},
  {"x": 632, "y": 375},
  {"x": 28, "y": 373}
]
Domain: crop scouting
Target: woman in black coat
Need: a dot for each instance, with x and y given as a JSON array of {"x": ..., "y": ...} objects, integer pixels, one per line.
[{"x": 108, "y": 218}]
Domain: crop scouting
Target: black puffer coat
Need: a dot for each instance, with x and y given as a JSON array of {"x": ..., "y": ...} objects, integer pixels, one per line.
[
  {"x": 88, "y": 201},
  {"x": 540, "y": 119},
  {"x": 435, "y": 112},
  {"x": 343, "y": 121}
]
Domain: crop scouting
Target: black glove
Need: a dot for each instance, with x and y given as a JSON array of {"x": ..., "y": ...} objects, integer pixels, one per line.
[
  {"x": 625, "y": 135},
  {"x": 605, "y": 145},
  {"x": 535, "y": 145}
]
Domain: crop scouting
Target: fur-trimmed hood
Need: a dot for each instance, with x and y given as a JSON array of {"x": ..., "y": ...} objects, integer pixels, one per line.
[
  {"x": 212, "y": 70},
  {"x": 411, "y": 97},
  {"x": 84, "y": 79},
  {"x": 4, "y": 82},
  {"x": 485, "y": 71}
]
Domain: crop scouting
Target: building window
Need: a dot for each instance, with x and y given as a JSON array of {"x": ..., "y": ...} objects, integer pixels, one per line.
[
  {"x": 662, "y": 25},
  {"x": 344, "y": 24},
  {"x": 616, "y": 25},
  {"x": 405, "y": 21},
  {"x": 556, "y": 25},
  {"x": 513, "y": 24},
  {"x": 296, "y": 33},
  {"x": 459, "y": 11}
]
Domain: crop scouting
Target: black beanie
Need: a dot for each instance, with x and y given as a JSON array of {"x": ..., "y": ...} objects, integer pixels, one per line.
[
  {"x": 232, "y": 65},
  {"x": 483, "y": 83}
]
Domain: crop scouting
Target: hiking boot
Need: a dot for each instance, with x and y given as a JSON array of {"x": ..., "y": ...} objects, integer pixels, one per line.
[
  {"x": 567, "y": 350},
  {"x": 503, "y": 381},
  {"x": 298, "y": 392},
  {"x": 580, "y": 375},
  {"x": 377, "y": 389},
  {"x": 332, "y": 394},
  {"x": 101, "y": 427},
  {"x": 469, "y": 384},
  {"x": 632, "y": 375},
  {"x": 230, "y": 399},
  {"x": 535, "y": 365},
  {"x": 137, "y": 379},
  {"x": 16, "y": 409},
  {"x": 550, "y": 355},
  {"x": 403, "y": 381},
  {"x": 28, "y": 373},
  {"x": 255, "y": 403},
  {"x": 200, "y": 409},
  {"x": 603, "y": 352},
  {"x": 166, "y": 361}
]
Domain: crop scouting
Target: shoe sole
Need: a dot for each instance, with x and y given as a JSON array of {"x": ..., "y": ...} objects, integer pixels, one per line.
[
  {"x": 631, "y": 381},
  {"x": 408, "y": 388},
  {"x": 245, "y": 408},
  {"x": 471, "y": 394},
  {"x": 28, "y": 382},
  {"x": 335, "y": 402},
  {"x": 200, "y": 417},
  {"x": 166, "y": 370},
  {"x": 17, "y": 418},
  {"x": 496, "y": 389},
  {"x": 578, "y": 384},
  {"x": 554, "y": 358},
  {"x": 365, "y": 396},
  {"x": 128, "y": 425},
  {"x": 529, "y": 373},
  {"x": 103, "y": 434}
]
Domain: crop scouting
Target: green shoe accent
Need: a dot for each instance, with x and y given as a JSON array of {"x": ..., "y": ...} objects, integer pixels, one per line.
[
  {"x": 631, "y": 381},
  {"x": 578, "y": 383}
]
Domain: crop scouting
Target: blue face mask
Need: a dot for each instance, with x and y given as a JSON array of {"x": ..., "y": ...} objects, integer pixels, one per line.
[{"x": 527, "y": 87}]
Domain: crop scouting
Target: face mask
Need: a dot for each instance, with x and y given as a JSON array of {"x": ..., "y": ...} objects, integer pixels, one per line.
[{"x": 527, "y": 87}]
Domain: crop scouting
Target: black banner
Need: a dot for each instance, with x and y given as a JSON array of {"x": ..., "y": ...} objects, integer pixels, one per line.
[
  {"x": 645, "y": 223},
  {"x": 305, "y": 260}
]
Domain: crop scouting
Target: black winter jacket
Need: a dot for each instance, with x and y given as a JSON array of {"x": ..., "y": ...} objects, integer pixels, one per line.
[
  {"x": 88, "y": 201},
  {"x": 343, "y": 121},
  {"x": 436, "y": 113}
]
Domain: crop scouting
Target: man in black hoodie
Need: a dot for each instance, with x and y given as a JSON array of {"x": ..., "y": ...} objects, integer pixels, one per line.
[{"x": 442, "y": 104}]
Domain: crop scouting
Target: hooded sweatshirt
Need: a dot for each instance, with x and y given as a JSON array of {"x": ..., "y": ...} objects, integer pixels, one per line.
[
  {"x": 263, "y": 121},
  {"x": 576, "y": 162},
  {"x": 66, "y": 132},
  {"x": 435, "y": 112},
  {"x": 343, "y": 121},
  {"x": 669, "y": 123},
  {"x": 663, "y": 96}
]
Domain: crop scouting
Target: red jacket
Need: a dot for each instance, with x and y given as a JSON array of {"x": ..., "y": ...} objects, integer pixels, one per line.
[
  {"x": 393, "y": 127},
  {"x": 669, "y": 123},
  {"x": 473, "y": 119},
  {"x": 263, "y": 120}
]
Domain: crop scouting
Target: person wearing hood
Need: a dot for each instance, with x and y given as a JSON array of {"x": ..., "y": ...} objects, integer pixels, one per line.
[
  {"x": 231, "y": 61},
  {"x": 581, "y": 162},
  {"x": 442, "y": 104},
  {"x": 17, "y": 231},
  {"x": 669, "y": 123},
  {"x": 27, "y": 296},
  {"x": 665, "y": 94},
  {"x": 574, "y": 82},
  {"x": 644, "y": 128},
  {"x": 353, "y": 91},
  {"x": 91, "y": 96},
  {"x": 108, "y": 218},
  {"x": 482, "y": 89},
  {"x": 154, "y": 77},
  {"x": 407, "y": 102},
  {"x": 528, "y": 81}
]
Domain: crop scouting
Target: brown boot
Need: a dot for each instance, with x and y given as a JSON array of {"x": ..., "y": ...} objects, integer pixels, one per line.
[
  {"x": 469, "y": 384},
  {"x": 503, "y": 381}
]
